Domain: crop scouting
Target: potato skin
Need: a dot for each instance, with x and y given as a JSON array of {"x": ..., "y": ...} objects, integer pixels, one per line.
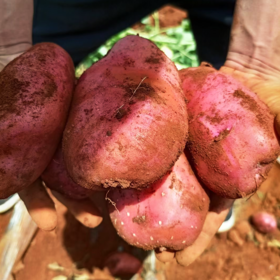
[
  {"x": 35, "y": 94},
  {"x": 231, "y": 132},
  {"x": 56, "y": 178},
  {"x": 128, "y": 121},
  {"x": 169, "y": 214}
]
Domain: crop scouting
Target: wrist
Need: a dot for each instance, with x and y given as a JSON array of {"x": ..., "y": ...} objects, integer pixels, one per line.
[
  {"x": 255, "y": 38},
  {"x": 251, "y": 65}
]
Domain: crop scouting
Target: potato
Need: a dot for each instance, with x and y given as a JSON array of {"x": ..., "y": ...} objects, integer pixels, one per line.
[
  {"x": 167, "y": 215},
  {"x": 231, "y": 134},
  {"x": 56, "y": 178},
  {"x": 264, "y": 222},
  {"x": 122, "y": 264},
  {"x": 128, "y": 121},
  {"x": 35, "y": 95}
]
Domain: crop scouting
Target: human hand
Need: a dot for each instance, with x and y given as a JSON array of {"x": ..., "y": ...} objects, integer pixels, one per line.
[
  {"x": 219, "y": 208},
  {"x": 265, "y": 82},
  {"x": 262, "y": 80},
  {"x": 39, "y": 201},
  {"x": 42, "y": 208}
]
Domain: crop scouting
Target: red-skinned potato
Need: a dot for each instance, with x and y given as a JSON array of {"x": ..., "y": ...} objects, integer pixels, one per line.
[
  {"x": 167, "y": 215},
  {"x": 35, "y": 95},
  {"x": 56, "y": 178},
  {"x": 128, "y": 121},
  {"x": 264, "y": 222},
  {"x": 122, "y": 264},
  {"x": 231, "y": 132}
]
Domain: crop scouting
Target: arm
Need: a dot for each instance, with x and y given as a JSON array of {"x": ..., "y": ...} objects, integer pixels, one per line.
[
  {"x": 15, "y": 28},
  {"x": 255, "y": 38}
]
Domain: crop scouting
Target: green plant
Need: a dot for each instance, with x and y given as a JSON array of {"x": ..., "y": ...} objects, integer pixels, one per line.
[{"x": 176, "y": 42}]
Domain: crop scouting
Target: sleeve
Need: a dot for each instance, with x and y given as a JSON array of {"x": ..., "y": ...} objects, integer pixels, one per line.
[{"x": 16, "y": 17}]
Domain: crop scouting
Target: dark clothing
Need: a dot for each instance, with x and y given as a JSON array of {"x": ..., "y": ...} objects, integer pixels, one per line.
[{"x": 81, "y": 26}]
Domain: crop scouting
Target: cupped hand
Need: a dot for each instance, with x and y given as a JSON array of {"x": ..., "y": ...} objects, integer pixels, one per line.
[
  {"x": 42, "y": 208},
  {"x": 219, "y": 208},
  {"x": 40, "y": 204},
  {"x": 265, "y": 82}
]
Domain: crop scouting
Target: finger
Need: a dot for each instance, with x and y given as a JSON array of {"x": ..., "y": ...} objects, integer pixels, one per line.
[
  {"x": 83, "y": 210},
  {"x": 164, "y": 256},
  {"x": 39, "y": 205},
  {"x": 191, "y": 253},
  {"x": 215, "y": 217}
]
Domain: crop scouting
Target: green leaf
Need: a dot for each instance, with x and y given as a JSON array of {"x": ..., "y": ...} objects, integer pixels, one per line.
[
  {"x": 177, "y": 42},
  {"x": 60, "y": 277},
  {"x": 81, "y": 277},
  {"x": 146, "y": 20},
  {"x": 260, "y": 195},
  {"x": 274, "y": 243},
  {"x": 55, "y": 266}
]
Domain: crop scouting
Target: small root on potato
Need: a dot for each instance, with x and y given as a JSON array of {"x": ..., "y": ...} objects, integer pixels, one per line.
[
  {"x": 133, "y": 92},
  {"x": 162, "y": 249},
  {"x": 137, "y": 87},
  {"x": 254, "y": 192},
  {"x": 111, "y": 201}
]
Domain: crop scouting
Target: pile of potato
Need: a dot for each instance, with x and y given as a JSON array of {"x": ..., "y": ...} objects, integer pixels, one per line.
[{"x": 125, "y": 128}]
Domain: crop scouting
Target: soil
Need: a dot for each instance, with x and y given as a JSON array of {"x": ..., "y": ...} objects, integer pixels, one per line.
[
  {"x": 241, "y": 254},
  {"x": 72, "y": 249}
]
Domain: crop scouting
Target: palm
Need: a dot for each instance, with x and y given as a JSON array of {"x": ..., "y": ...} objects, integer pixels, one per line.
[{"x": 267, "y": 87}]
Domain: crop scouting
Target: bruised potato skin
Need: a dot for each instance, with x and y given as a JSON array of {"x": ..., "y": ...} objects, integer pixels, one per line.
[
  {"x": 231, "y": 132},
  {"x": 56, "y": 178},
  {"x": 167, "y": 215},
  {"x": 128, "y": 121},
  {"x": 35, "y": 95}
]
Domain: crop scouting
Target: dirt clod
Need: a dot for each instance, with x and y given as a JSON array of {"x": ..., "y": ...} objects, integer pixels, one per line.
[
  {"x": 244, "y": 229},
  {"x": 234, "y": 236}
]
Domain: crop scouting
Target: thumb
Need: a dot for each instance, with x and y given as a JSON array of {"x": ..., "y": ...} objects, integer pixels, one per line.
[
  {"x": 212, "y": 223},
  {"x": 219, "y": 209}
]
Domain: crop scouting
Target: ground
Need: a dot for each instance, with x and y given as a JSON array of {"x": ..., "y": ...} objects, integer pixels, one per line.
[
  {"x": 73, "y": 250},
  {"x": 241, "y": 254}
]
